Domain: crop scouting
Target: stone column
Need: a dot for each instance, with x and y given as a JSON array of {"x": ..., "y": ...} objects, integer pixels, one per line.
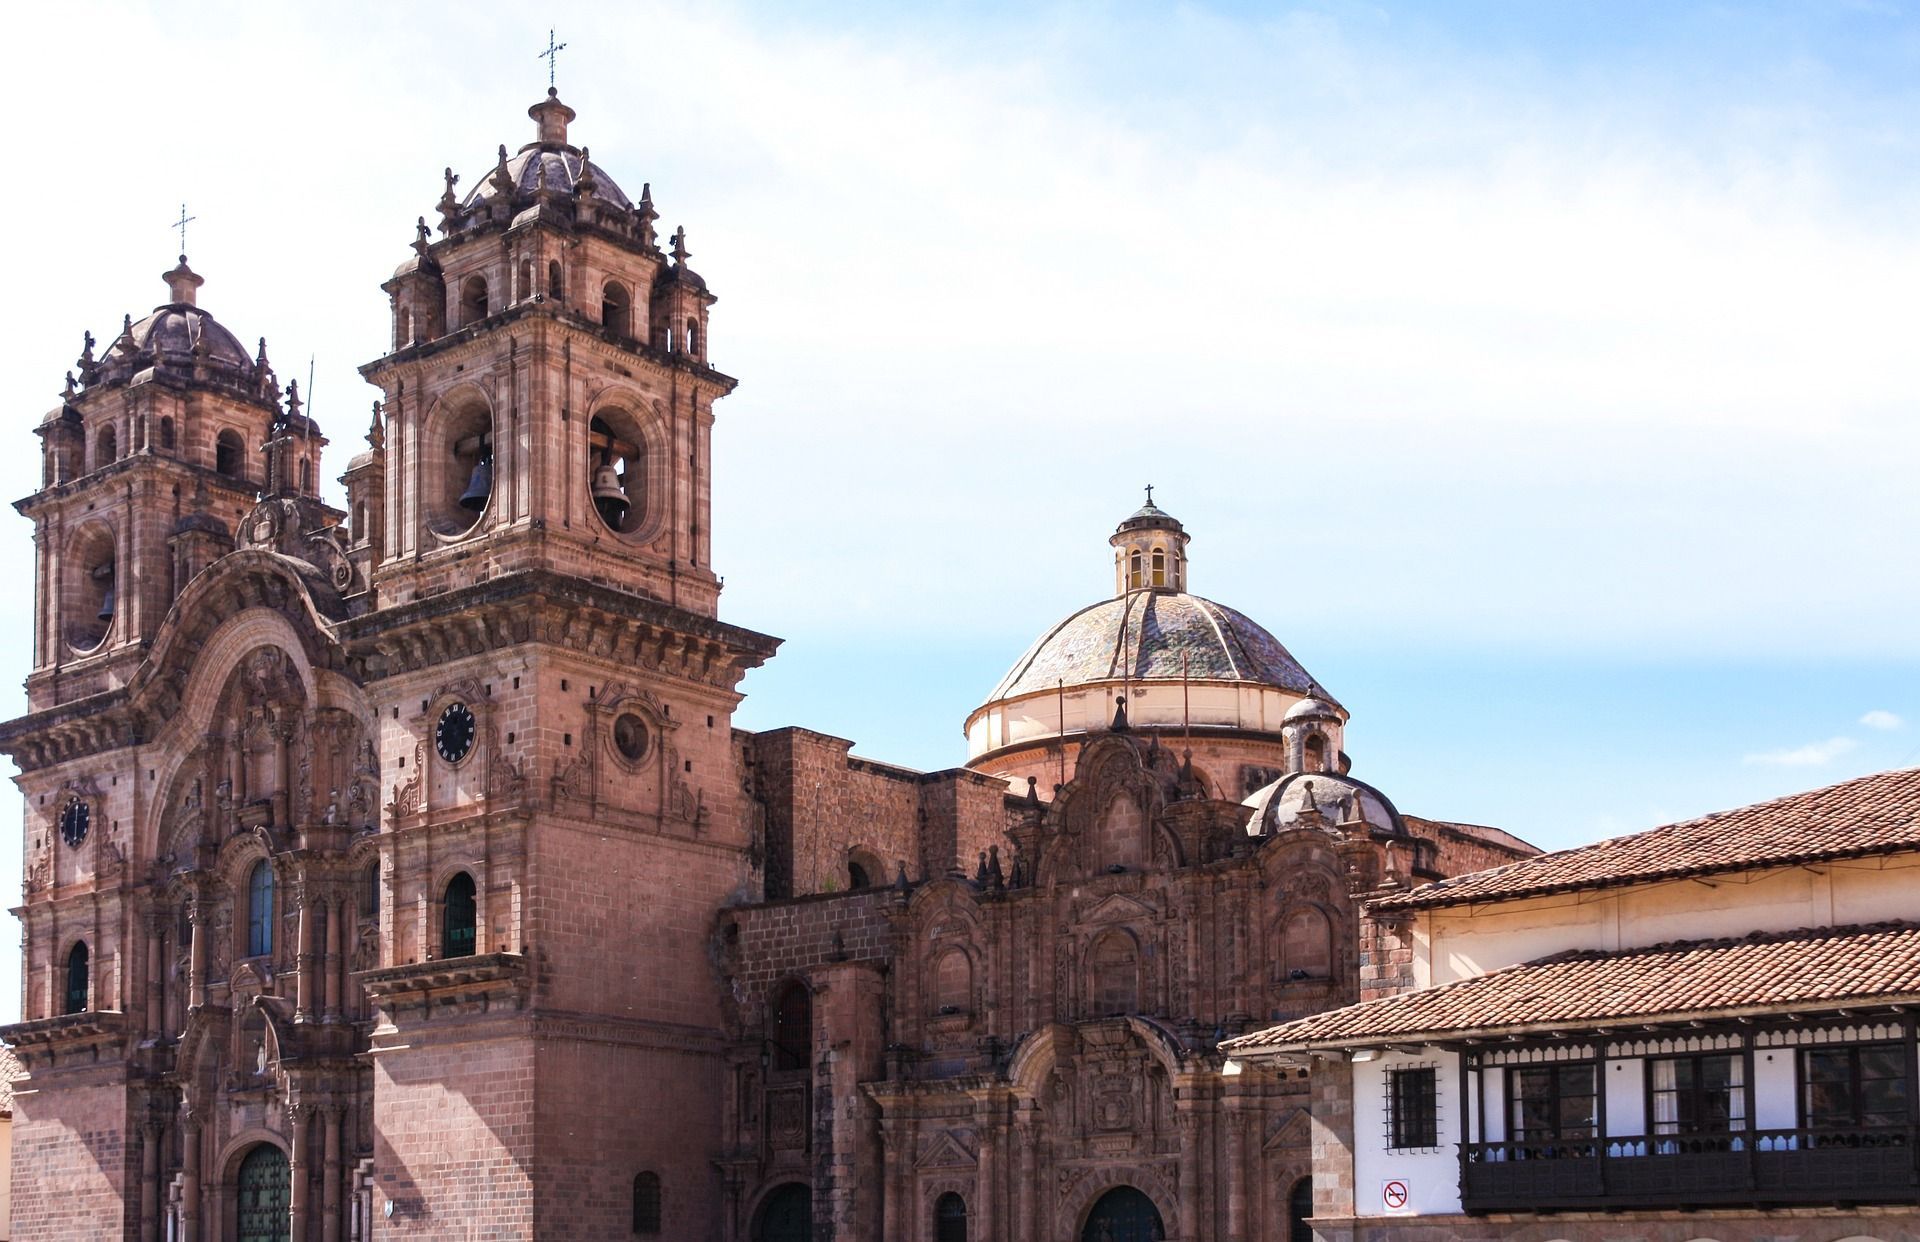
[
  {"x": 303, "y": 956},
  {"x": 331, "y": 1169},
  {"x": 1188, "y": 1122},
  {"x": 151, "y": 925},
  {"x": 986, "y": 1201},
  {"x": 1233, "y": 1124},
  {"x": 190, "y": 1169},
  {"x": 299, "y": 1167},
  {"x": 336, "y": 956},
  {"x": 150, "y": 1134},
  {"x": 1026, "y": 1193},
  {"x": 197, "y": 959},
  {"x": 894, "y": 1160}
]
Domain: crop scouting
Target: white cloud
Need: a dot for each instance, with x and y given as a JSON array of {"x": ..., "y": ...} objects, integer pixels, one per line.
[
  {"x": 1880, "y": 719},
  {"x": 1812, "y": 755}
]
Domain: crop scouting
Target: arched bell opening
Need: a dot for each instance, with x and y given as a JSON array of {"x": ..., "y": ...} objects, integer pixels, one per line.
[
  {"x": 91, "y": 596},
  {"x": 1124, "y": 1214},
  {"x": 457, "y": 467},
  {"x": 617, "y": 465}
]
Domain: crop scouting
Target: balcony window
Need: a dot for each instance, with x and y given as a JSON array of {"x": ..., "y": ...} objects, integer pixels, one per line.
[
  {"x": 1552, "y": 1102},
  {"x": 1696, "y": 1095},
  {"x": 1855, "y": 1086}
]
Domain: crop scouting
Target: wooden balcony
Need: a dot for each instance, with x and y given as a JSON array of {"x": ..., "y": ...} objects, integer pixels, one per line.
[{"x": 1760, "y": 1168}]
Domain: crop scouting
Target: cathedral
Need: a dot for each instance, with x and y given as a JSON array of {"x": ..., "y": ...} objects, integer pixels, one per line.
[{"x": 397, "y": 871}]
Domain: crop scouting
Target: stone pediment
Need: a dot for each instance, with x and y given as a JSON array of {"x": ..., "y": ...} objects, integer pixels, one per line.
[
  {"x": 1292, "y": 1131},
  {"x": 944, "y": 1150},
  {"x": 1118, "y": 908}
]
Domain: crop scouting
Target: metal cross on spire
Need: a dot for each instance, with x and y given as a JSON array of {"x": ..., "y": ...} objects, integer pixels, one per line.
[
  {"x": 182, "y": 224},
  {"x": 1149, "y": 493},
  {"x": 551, "y": 55}
]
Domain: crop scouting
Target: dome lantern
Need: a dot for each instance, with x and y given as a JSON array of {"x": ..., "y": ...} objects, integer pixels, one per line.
[{"x": 1150, "y": 551}]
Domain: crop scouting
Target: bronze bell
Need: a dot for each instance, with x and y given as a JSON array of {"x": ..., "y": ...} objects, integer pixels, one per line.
[
  {"x": 480, "y": 486},
  {"x": 608, "y": 496},
  {"x": 106, "y": 603}
]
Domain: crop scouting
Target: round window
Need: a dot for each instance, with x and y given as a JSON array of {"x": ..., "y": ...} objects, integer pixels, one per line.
[{"x": 630, "y": 737}]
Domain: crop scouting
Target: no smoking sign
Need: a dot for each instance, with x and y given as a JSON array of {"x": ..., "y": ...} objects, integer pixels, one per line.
[{"x": 1395, "y": 1196}]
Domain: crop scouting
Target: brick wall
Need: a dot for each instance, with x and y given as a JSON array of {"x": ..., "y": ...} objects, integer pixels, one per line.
[{"x": 71, "y": 1164}]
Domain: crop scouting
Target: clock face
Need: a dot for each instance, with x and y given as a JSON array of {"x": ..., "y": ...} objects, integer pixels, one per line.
[
  {"x": 453, "y": 736},
  {"x": 73, "y": 821}
]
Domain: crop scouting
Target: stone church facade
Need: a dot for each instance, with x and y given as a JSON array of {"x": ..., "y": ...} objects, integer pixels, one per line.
[{"x": 397, "y": 871}]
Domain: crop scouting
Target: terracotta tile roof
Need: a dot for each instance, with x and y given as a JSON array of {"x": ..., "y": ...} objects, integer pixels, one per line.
[
  {"x": 1872, "y": 815},
  {"x": 1817, "y": 968},
  {"x": 9, "y": 1070}
]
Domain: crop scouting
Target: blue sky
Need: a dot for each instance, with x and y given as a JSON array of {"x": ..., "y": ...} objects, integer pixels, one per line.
[{"x": 1541, "y": 375}]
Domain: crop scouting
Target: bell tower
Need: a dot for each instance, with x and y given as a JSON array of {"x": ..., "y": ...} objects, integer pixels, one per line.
[
  {"x": 548, "y": 401},
  {"x": 564, "y": 809},
  {"x": 153, "y": 456}
]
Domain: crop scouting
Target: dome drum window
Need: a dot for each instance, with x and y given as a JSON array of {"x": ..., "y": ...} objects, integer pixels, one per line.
[{"x": 632, "y": 740}]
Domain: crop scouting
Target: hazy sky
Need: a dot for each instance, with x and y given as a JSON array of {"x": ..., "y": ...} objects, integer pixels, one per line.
[{"x": 1542, "y": 375}]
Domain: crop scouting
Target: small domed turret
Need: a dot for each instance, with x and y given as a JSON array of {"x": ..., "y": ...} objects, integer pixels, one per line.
[{"x": 1150, "y": 551}]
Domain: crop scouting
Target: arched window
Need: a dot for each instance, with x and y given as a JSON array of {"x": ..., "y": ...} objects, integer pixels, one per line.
[
  {"x": 166, "y": 433},
  {"x": 1306, "y": 945},
  {"x": 1299, "y": 1210},
  {"x": 306, "y": 476},
  {"x": 76, "y": 978},
  {"x": 1133, "y": 569},
  {"x": 403, "y": 330},
  {"x": 1316, "y": 760},
  {"x": 792, "y": 1042},
  {"x": 857, "y": 877},
  {"x": 616, "y": 309},
  {"x": 1159, "y": 567},
  {"x": 473, "y": 300},
  {"x": 260, "y": 909},
  {"x": 646, "y": 1204},
  {"x": 950, "y": 1218},
  {"x": 227, "y": 453},
  {"x": 556, "y": 288},
  {"x": 370, "y": 892},
  {"x": 457, "y": 918},
  {"x": 106, "y": 448},
  {"x": 693, "y": 337},
  {"x": 526, "y": 280},
  {"x": 360, "y": 522}
]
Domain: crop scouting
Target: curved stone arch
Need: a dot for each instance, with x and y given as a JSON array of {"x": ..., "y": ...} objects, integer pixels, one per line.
[
  {"x": 227, "y": 1163},
  {"x": 937, "y": 956},
  {"x": 237, "y": 583},
  {"x": 1161, "y": 1044},
  {"x": 433, "y": 442},
  {"x": 1034, "y": 1059},
  {"x": 1090, "y": 980},
  {"x": 1076, "y": 1204},
  {"x": 1857, "y": 1237},
  {"x": 650, "y": 426},
  {"x": 777, "y": 1179}
]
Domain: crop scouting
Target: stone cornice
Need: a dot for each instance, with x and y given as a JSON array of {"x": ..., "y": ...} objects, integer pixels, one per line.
[
  {"x": 524, "y": 312},
  {"x": 540, "y": 605},
  {"x": 51, "y": 1041}
]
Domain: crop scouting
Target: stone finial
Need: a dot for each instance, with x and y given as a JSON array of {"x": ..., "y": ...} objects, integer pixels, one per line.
[
  {"x": 502, "y": 179},
  {"x": 181, "y": 283},
  {"x": 422, "y": 236},
  {"x": 86, "y": 351},
  {"x": 1120, "y": 724},
  {"x": 376, "y": 431},
  {"x": 586, "y": 184},
  {"x": 996, "y": 878},
  {"x": 644, "y": 215},
  {"x": 680, "y": 252}
]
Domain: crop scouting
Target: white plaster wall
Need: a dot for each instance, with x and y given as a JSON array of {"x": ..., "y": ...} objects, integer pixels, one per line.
[
  {"x": 1432, "y": 1177},
  {"x": 1089, "y": 708},
  {"x": 1460, "y": 942}
]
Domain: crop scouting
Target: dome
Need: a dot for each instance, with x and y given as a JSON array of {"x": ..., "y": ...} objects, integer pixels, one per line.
[
  {"x": 1313, "y": 708},
  {"x": 1154, "y": 635},
  {"x": 1150, "y": 516},
  {"x": 562, "y": 167},
  {"x": 183, "y": 331},
  {"x": 1320, "y": 799}
]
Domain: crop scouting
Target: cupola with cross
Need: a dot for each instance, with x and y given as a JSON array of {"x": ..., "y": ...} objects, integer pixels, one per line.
[{"x": 1149, "y": 550}]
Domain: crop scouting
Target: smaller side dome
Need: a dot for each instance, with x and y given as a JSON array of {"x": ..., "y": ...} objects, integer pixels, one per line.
[
  {"x": 1322, "y": 800},
  {"x": 1314, "y": 708}
]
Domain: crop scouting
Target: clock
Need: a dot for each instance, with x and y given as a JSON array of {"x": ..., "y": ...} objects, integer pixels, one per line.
[
  {"x": 73, "y": 821},
  {"x": 453, "y": 736}
]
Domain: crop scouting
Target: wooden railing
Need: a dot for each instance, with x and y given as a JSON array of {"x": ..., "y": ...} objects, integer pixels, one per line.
[{"x": 1761, "y": 1167}]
